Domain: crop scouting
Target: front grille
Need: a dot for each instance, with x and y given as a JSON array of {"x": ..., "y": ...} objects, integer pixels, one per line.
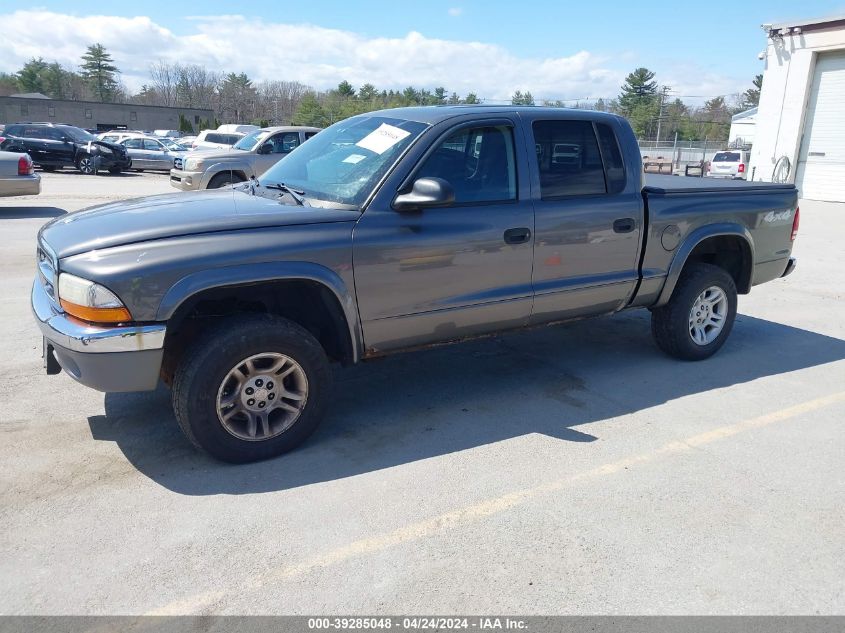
[
  {"x": 177, "y": 163},
  {"x": 48, "y": 271}
]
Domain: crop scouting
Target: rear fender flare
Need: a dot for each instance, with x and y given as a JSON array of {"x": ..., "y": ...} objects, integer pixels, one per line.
[{"x": 688, "y": 246}]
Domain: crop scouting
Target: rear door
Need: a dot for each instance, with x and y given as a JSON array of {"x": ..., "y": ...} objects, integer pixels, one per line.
[
  {"x": 588, "y": 220},
  {"x": 135, "y": 149}
]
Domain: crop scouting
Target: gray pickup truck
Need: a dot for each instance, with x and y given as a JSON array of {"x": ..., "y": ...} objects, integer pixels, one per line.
[{"x": 390, "y": 231}]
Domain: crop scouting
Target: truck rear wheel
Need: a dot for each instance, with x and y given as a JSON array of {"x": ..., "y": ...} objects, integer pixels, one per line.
[
  {"x": 699, "y": 316},
  {"x": 251, "y": 388}
]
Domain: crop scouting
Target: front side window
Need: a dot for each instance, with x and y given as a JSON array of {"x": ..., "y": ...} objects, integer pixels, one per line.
[
  {"x": 343, "y": 162},
  {"x": 284, "y": 143},
  {"x": 77, "y": 134},
  {"x": 478, "y": 162},
  {"x": 152, "y": 144},
  {"x": 568, "y": 159}
]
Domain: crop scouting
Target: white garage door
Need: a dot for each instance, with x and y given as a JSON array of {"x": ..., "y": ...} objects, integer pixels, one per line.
[{"x": 821, "y": 163}]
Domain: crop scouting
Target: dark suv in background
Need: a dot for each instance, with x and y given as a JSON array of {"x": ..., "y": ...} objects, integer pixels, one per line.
[{"x": 54, "y": 145}]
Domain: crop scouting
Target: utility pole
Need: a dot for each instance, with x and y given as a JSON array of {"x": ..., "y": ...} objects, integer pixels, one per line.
[{"x": 663, "y": 92}]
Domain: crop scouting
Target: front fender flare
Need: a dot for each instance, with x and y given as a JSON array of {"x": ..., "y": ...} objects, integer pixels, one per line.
[
  {"x": 200, "y": 281},
  {"x": 688, "y": 246},
  {"x": 212, "y": 170}
]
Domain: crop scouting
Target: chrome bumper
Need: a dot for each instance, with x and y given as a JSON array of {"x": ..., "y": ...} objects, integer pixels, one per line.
[
  {"x": 82, "y": 337},
  {"x": 790, "y": 267}
]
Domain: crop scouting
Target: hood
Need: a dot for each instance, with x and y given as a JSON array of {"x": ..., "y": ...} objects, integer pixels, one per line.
[
  {"x": 175, "y": 214},
  {"x": 214, "y": 154}
]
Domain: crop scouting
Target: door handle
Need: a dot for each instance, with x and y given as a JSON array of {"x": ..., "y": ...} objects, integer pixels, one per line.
[
  {"x": 517, "y": 236},
  {"x": 624, "y": 225}
]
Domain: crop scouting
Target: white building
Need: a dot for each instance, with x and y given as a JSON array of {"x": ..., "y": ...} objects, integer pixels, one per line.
[
  {"x": 800, "y": 134},
  {"x": 743, "y": 125}
]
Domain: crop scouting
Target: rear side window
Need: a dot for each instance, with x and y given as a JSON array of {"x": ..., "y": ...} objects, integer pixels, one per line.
[
  {"x": 215, "y": 138},
  {"x": 30, "y": 131},
  {"x": 133, "y": 143},
  {"x": 230, "y": 139},
  {"x": 568, "y": 158},
  {"x": 614, "y": 167},
  {"x": 727, "y": 157}
]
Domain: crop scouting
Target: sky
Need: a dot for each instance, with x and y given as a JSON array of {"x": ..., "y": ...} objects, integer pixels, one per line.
[{"x": 556, "y": 49}]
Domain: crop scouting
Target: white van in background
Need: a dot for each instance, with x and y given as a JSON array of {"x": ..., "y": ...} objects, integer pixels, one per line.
[
  {"x": 234, "y": 128},
  {"x": 730, "y": 163}
]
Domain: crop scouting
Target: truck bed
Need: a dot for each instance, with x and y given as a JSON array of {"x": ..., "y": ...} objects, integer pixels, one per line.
[{"x": 681, "y": 184}]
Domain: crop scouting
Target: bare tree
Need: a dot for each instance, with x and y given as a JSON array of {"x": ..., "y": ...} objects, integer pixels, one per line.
[
  {"x": 164, "y": 82},
  {"x": 279, "y": 100}
]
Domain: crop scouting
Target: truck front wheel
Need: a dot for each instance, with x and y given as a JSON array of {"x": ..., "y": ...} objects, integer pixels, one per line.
[
  {"x": 699, "y": 316},
  {"x": 251, "y": 388}
]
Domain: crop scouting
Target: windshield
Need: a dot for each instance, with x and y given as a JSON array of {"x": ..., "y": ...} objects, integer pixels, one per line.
[
  {"x": 78, "y": 135},
  {"x": 343, "y": 162},
  {"x": 252, "y": 139}
]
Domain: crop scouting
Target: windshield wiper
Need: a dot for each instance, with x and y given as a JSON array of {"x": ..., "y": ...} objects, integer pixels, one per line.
[{"x": 296, "y": 194}]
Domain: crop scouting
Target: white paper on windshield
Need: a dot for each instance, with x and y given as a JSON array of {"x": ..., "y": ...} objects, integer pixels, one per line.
[
  {"x": 382, "y": 139},
  {"x": 354, "y": 158}
]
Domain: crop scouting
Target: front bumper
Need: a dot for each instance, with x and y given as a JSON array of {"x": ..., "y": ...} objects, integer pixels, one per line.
[
  {"x": 186, "y": 180},
  {"x": 120, "y": 358}
]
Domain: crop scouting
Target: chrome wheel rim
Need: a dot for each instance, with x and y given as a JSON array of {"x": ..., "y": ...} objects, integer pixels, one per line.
[
  {"x": 262, "y": 396},
  {"x": 707, "y": 316}
]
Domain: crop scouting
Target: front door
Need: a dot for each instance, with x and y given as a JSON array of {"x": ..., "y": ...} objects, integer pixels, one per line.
[
  {"x": 279, "y": 146},
  {"x": 439, "y": 274},
  {"x": 589, "y": 219}
]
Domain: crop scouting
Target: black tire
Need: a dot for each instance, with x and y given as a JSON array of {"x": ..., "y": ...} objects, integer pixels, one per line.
[
  {"x": 86, "y": 165},
  {"x": 114, "y": 171},
  {"x": 670, "y": 324},
  {"x": 207, "y": 362},
  {"x": 223, "y": 179}
]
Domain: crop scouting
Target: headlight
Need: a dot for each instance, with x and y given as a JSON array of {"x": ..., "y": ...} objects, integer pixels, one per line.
[
  {"x": 194, "y": 164},
  {"x": 89, "y": 301}
]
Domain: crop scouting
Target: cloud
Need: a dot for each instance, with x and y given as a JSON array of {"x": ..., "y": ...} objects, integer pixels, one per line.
[
  {"x": 317, "y": 56},
  {"x": 455, "y": 11}
]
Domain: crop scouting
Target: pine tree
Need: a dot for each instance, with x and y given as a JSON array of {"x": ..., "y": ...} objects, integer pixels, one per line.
[{"x": 100, "y": 73}]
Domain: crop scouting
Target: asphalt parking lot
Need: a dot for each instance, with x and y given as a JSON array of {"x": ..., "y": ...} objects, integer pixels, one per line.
[{"x": 566, "y": 470}]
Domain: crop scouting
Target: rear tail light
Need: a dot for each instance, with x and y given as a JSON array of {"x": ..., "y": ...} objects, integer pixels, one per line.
[
  {"x": 2, "y": 138},
  {"x": 795, "y": 222},
  {"x": 741, "y": 168},
  {"x": 25, "y": 166}
]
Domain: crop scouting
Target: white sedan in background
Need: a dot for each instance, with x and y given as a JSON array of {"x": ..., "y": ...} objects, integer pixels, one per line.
[{"x": 17, "y": 175}]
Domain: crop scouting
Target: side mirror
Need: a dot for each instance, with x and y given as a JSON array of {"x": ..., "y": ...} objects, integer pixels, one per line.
[
  {"x": 426, "y": 193},
  {"x": 267, "y": 148}
]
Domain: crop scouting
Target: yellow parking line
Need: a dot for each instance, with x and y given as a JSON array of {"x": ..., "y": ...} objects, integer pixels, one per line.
[{"x": 475, "y": 512}]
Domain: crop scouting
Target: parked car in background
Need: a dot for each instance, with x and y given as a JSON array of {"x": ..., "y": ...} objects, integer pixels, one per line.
[
  {"x": 211, "y": 139},
  {"x": 17, "y": 175},
  {"x": 250, "y": 156},
  {"x": 386, "y": 232},
  {"x": 148, "y": 152},
  {"x": 54, "y": 145},
  {"x": 167, "y": 133},
  {"x": 730, "y": 163},
  {"x": 115, "y": 136}
]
